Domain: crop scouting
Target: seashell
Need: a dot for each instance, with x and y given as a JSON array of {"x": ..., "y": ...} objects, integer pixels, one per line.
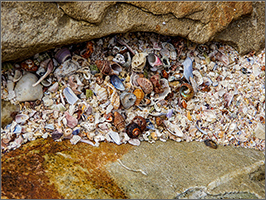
[
  {"x": 94, "y": 69},
  {"x": 76, "y": 131},
  {"x": 71, "y": 121},
  {"x": 70, "y": 95},
  {"x": 21, "y": 118},
  {"x": 194, "y": 84},
  {"x": 188, "y": 68},
  {"x": 49, "y": 126},
  {"x": 133, "y": 130},
  {"x": 165, "y": 52},
  {"x": 149, "y": 125},
  {"x": 115, "y": 100},
  {"x": 117, "y": 83},
  {"x": 88, "y": 126},
  {"x": 133, "y": 79},
  {"x": 139, "y": 95},
  {"x": 166, "y": 62},
  {"x": 119, "y": 121},
  {"x": 127, "y": 60},
  {"x": 62, "y": 55},
  {"x": 28, "y": 65},
  {"x": 203, "y": 49},
  {"x": 58, "y": 107},
  {"x": 141, "y": 122},
  {"x": 56, "y": 135},
  {"x": 222, "y": 58},
  {"x": 171, "y": 49},
  {"x": 155, "y": 79},
  {"x": 165, "y": 74},
  {"x": 210, "y": 143},
  {"x": 197, "y": 77},
  {"x": 39, "y": 58},
  {"x": 119, "y": 58},
  {"x": 173, "y": 129},
  {"x": 145, "y": 84},
  {"x": 186, "y": 91},
  {"x": 109, "y": 117},
  {"x": 101, "y": 93},
  {"x": 169, "y": 113},
  {"x": 17, "y": 129},
  {"x": 50, "y": 68},
  {"x": 127, "y": 99},
  {"x": 75, "y": 139},
  {"x": 108, "y": 67},
  {"x": 88, "y": 51},
  {"x": 17, "y": 75},
  {"x": 154, "y": 61},
  {"x": 67, "y": 68},
  {"x": 68, "y": 133},
  {"x": 138, "y": 62},
  {"x": 115, "y": 137},
  {"x": 158, "y": 121},
  {"x": 166, "y": 89},
  {"x": 135, "y": 142},
  {"x": 53, "y": 88}
]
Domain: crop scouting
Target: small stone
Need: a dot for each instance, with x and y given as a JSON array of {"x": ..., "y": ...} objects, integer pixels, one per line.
[
  {"x": 24, "y": 90},
  {"x": 252, "y": 77},
  {"x": 260, "y": 131},
  {"x": 8, "y": 112}
]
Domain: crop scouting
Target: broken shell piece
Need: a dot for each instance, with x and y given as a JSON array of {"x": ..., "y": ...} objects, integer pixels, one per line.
[
  {"x": 70, "y": 95},
  {"x": 66, "y": 69},
  {"x": 62, "y": 55},
  {"x": 47, "y": 82},
  {"x": 117, "y": 83},
  {"x": 17, "y": 129},
  {"x": 71, "y": 121},
  {"x": 141, "y": 122},
  {"x": 53, "y": 88},
  {"x": 21, "y": 118},
  {"x": 56, "y": 135},
  {"x": 139, "y": 95},
  {"x": 166, "y": 89},
  {"x": 127, "y": 60},
  {"x": 145, "y": 84},
  {"x": 135, "y": 142},
  {"x": 171, "y": 49},
  {"x": 115, "y": 137},
  {"x": 133, "y": 130},
  {"x": 173, "y": 128},
  {"x": 108, "y": 67},
  {"x": 29, "y": 65},
  {"x": 75, "y": 139},
  {"x": 186, "y": 91},
  {"x": 155, "y": 79},
  {"x": 138, "y": 62},
  {"x": 119, "y": 122},
  {"x": 210, "y": 143},
  {"x": 128, "y": 99},
  {"x": 188, "y": 68},
  {"x": 154, "y": 60},
  {"x": 119, "y": 58},
  {"x": 17, "y": 76},
  {"x": 166, "y": 62},
  {"x": 197, "y": 77},
  {"x": 115, "y": 100},
  {"x": 50, "y": 68},
  {"x": 101, "y": 93}
]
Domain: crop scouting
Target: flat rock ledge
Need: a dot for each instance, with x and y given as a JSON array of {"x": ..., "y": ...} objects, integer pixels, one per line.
[
  {"x": 33, "y": 27},
  {"x": 163, "y": 170}
]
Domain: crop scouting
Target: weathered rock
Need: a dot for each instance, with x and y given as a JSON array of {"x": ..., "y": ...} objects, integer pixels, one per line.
[
  {"x": 8, "y": 112},
  {"x": 32, "y": 27},
  {"x": 49, "y": 169},
  {"x": 24, "y": 90}
]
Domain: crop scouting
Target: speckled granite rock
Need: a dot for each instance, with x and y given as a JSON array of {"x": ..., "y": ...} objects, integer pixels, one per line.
[
  {"x": 33, "y": 27},
  {"x": 48, "y": 169}
]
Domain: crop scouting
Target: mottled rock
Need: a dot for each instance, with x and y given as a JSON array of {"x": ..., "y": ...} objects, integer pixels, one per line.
[
  {"x": 25, "y": 30},
  {"x": 8, "y": 112},
  {"x": 24, "y": 90},
  {"x": 260, "y": 131},
  {"x": 49, "y": 169}
]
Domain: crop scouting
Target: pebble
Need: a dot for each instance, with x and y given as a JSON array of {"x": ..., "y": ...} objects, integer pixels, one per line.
[
  {"x": 260, "y": 131},
  {"x": 24, "y": 90}
]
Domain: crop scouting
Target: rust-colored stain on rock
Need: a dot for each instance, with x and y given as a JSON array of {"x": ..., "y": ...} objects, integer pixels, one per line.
[{"x": 35, "y": 170}]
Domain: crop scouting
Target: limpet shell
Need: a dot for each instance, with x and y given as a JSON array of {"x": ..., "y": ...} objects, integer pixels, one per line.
[
  {"x": 145, "y": 84},
  {"x": 139, "y": 95}
]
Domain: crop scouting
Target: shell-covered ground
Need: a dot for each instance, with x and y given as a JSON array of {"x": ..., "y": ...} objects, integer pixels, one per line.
[{"x": 137, "y": 87}]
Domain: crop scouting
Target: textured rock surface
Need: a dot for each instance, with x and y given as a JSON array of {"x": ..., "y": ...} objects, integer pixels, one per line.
[
  {"x": 24, "y": 90},
  {"x": 29, "y": 28},
  {"x": 48, "y": 169},
  {"x": 8, "y": 112}
]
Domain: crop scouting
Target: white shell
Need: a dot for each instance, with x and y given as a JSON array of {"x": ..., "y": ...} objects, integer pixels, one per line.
[
  {"x": 21, "y": 118},
  {"x": 88, "y": 126},
  {"x": 119, "y": 58},
  {"x": 138, "y": 62},
  {"x": 197, "y": 77},
  {"x": 135, "y": 142},
  {"x": 75, "y": 139},
  {"x": 70, "y": 95},
  {"x": 101, "y": 92},
  {"x": 174, "y": 129},
  {"x": 67, "y": 68},
  {"x": 115, "y": 137}
]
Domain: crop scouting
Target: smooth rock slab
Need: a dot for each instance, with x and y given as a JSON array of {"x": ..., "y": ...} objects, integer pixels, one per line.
[
  {"x": 47, "y": 169},
  {"x": 24, "y": 90},
  {"x": 8, "y": 112}
]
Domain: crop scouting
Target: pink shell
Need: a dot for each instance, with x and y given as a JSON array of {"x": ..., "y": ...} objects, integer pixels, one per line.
[{"x": 71, "y": 121}]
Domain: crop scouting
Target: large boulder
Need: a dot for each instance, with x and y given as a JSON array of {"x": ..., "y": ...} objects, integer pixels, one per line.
[
  {"x": 50, "y": 170},
  {"x": 33, "y": 27}
]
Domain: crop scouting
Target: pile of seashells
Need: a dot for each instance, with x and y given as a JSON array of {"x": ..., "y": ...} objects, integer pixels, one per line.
[{"x": 137, "y": 87}]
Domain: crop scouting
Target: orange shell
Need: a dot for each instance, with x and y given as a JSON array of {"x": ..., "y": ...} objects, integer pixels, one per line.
[
  {"x": 139, "y": 94},
  {"x": 119, "y": 121},
  {"x": 104, "y": 66},
  {"x": 145, "y": 84}
]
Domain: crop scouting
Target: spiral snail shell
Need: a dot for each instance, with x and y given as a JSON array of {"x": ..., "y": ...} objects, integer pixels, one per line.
[{"x": 186, "y": 91}]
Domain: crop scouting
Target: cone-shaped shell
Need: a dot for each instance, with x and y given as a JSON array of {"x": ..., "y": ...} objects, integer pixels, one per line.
[
  {"x": 119, "y": 121},
  {"x": 186, "y": 91},
  {"x": 108, "y": 67},
  {"x": 115, "y": 100},
  {"x": 145, "y": 84},
  {"x": 139, "y": 94}
]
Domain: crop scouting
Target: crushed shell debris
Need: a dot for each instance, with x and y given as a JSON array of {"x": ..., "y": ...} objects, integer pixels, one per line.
[{"x": 139, "y": 87}]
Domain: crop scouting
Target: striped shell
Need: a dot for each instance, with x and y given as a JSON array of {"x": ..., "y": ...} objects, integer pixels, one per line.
[
  {"x": 119, "y": 121},
  {"x": 108, "y": 67},
  {"x": 101, "y": 93},
  {"x": 139, "y": 94},
  {"x": 138, "y": 62},
  {"x": 145, "y": 84},
  {"x": 115, "y": 100}
]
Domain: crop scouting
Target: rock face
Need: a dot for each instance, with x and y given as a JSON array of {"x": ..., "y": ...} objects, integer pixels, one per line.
[
  {"x": 33, "y": 27},
  {"x": 47, "y": 169},
  {"x": 24, "y": 90},
  {"x": 8, "y": 112}
]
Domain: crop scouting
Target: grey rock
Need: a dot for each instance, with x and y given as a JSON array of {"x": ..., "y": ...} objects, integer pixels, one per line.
[
  {"x": 8, "y": 111},
  {"x": 24, "y": 90},
  {"x": 32, "y": 27}
]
